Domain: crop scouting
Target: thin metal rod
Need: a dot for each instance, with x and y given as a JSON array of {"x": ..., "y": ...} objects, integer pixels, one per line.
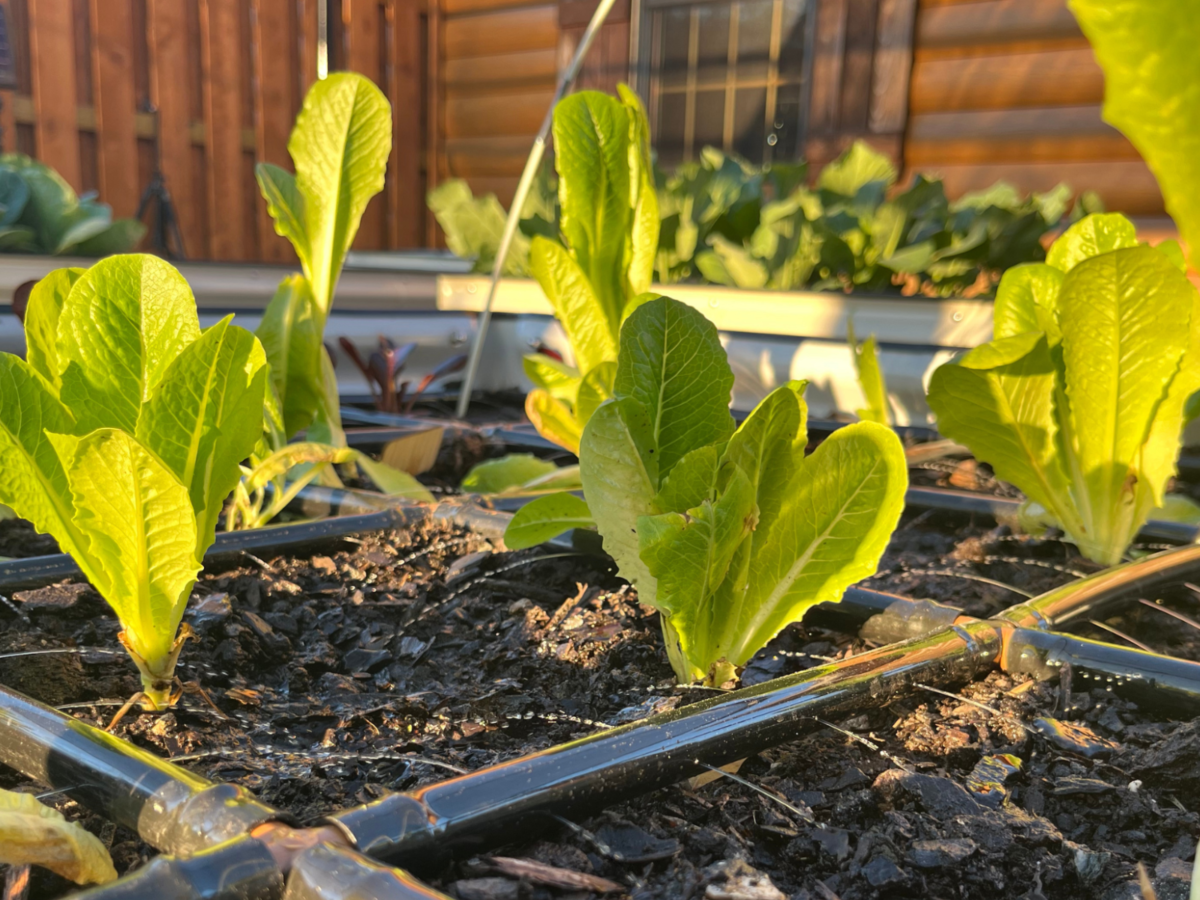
[{"x": 518, "y": 203}]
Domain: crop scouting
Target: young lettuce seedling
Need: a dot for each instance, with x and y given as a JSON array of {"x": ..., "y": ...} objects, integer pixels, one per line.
[
  {"x": 339, "y": 147},
  {"x": 122, "y": 436},
  {"x": 1079, "y": 400},
  {"x": 731, "y": 533},
  {"x": 604, "y": 260}
]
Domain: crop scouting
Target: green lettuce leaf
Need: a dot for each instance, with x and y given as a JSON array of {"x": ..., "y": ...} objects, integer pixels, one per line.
[
  {"x": 1090, "y": 237},
  {"x": 140, "y": 533},
  {"x": 33, "y": 482},
  {"x": 121, "y": 326},
  {"x": 838, "y": 512},
  {"x": 511, "y": 471},
  {"x": 291, "y": 332},
  {"x": 870, "y": 378},
  {"x": 206, "y": 417},
  {"x": 673, "y": 365},
  {"x": 1152, "y": 92},
  {"x": 546, "y": 518},
  {"x": 474, "y": 227},
  {"x": 340, "y": 147},
  {"x": 1126, "y": 322},
  {"x": 41, "y": 323},
  {"x": 591, "y": 327}
]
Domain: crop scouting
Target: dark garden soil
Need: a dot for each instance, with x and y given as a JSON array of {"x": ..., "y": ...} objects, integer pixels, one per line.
[{"x": 402, "y": 658}]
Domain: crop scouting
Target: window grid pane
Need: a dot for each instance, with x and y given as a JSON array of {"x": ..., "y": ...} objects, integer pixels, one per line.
[{"x": 729, "y": 73}]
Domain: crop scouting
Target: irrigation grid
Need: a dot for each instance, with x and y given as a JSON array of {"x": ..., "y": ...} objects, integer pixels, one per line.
[{"x": 217, "y": 841}]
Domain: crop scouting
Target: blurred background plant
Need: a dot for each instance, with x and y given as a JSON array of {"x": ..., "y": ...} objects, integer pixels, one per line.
[
  {"x": 40, "y": 213},
  {"x": 726, "y": 221}
]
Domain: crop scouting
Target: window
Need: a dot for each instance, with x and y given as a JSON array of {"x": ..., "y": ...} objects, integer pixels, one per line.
[{"x": 730, "y": 73}]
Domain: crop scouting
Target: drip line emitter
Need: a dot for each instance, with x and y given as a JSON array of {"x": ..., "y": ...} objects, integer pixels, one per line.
[{"x": 217, "y": 841}]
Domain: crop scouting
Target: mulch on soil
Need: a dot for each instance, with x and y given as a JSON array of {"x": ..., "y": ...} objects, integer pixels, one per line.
[{"x": 399, "y": 659}]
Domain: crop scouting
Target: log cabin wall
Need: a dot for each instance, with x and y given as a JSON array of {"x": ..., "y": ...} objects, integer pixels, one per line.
[
  {"x": 227, "y": 78},
  {"x": 1009, "y": 89},
  {"x": 497, "y": 65}
]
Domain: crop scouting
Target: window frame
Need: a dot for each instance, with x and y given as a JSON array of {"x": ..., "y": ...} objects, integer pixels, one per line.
[{"x": 643, "y": 47}]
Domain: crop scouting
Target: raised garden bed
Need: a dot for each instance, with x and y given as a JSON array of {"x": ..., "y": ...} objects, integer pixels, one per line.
[{"x": 391, "y": 660}]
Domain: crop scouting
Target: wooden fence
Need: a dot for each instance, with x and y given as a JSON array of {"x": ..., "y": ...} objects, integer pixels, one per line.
[{"x": 212, "y": 86}]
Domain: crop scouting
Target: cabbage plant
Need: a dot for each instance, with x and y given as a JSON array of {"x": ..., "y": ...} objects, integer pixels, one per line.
[
  {"x": 41, "y": 213},
  {"x": 730, "y": 532},
  {"x": 122, "y": 435},
  {"x": 1079, "y": 400}
]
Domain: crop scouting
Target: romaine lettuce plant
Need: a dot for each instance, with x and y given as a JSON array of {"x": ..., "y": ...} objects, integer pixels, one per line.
[
  {"x": 729, "y": 532},
  {"x": 1079, "y": 399},
  {"x": 122, "y": 436},
  {"x": 603, "y": 259},
  {"x": 339, "y": 147}
]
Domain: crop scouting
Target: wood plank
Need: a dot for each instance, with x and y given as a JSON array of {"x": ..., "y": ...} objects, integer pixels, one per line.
[
  {"x": 828, "y": 54},
  {"x": 113, "y": 89},
  {"x": 478, "y": 116},
  {"x": 502, "y": 186},
  {"x": 273, "y": 104},
  {"x": 221, "y": 78},
  {"x": 362, "y": 27},
  {"x": 893, "y": 65},
  {"x": 1001, "y": 124},
  {"x": 963, "y": 51},
  {"x": 1040, "y": 148},
  {"x": 170, "y": 72},
  {"x": 994, "y": 22},
  {"x": 529, "y": 67},
  {"x": 52, "y": 64},
  {"x": 459, "y": 7},
  {"x": 510, "y": 31},
  {"x": 406, "y": 204},
  {"x": 858, "y": 57},
  {"x": 488, "y": 156},
  {"x": 1066, "y": 78},
  {"x": 1124, "y": 185}
]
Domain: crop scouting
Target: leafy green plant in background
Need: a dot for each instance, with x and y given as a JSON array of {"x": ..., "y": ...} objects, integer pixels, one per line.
[
  {"x": 122, "y": 436},
  {"x": 1079, "y": 400},
  {"x": 339, "y": 147},
  {"x": 474, "y": 225},
  {"x": 728, "y": 222},
  {"x": 40, "y": 213},
  {"x": 730, "y": 532},
  {"x": 1147, "y": 49}
]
